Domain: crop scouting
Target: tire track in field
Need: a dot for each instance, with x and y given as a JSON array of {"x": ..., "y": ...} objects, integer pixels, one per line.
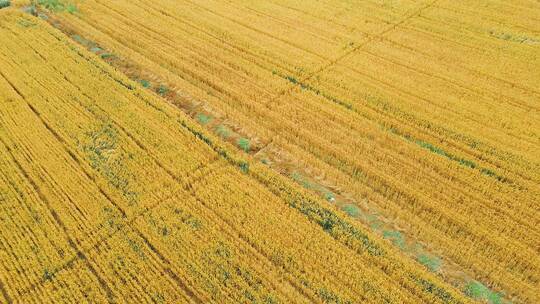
[
  {"x": 44, "y": 199},
  {"x": 395, "y": 88},
  {"x": 60, "y": 224},
  {"x": 473, "y": 47},
  {"x": 353, "y": 50},
  {"x": 201, "y": 79},
  {"x": 122, "y": 211},
  {"x": 491, "y": 18},
  {"x": 165, "y": 40},
  {"x": 489, "y": 98},
  {"x": 170, "y": 173},
  {"x": 245, "y": 25},
  {"x": 231, "y": 96},
  {"x": 248, "y": 54},
  {"x": 80, "y": 252},
  {"x": 476, "y": 73}
]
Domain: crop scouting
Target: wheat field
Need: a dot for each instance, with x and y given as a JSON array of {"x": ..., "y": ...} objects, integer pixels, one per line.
[{"x": 270, "y": 151}]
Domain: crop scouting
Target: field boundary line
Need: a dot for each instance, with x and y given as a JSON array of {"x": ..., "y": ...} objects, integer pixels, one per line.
[
  {"x": 370, "y": 38},
  {"x": 464, "y": 68},
  {"x": 490, "y": 98},
  {"x": 45, "y": 200},
  {"x": 439, "y": 37},
  {"x": 426, "y": 100},
  {"x": 80, "y": 253},
  {"x": 258, "y": 31},
  {"x": 492, "y": 18},
  {"x": 60, "y": 223}
]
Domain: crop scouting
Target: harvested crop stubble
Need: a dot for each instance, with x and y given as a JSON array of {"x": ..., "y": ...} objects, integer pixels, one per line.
[{"x": 109, "y": 194}]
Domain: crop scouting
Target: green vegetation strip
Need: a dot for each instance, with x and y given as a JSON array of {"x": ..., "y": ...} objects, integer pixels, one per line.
[
  {"x": 474, "y": 289},
  {"x": 336, "y": 226},
  {"x": 55, "y": 6}
]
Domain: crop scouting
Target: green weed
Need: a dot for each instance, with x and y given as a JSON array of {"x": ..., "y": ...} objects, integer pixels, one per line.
[
  {"x": 244, "y": 166},
  {"x": 513, "y": 38},
  {"x": 107, "y": 55},
  {"x": 48, "y": 275},
  {"x": 79, "y": 39},
  {"x": 5, "y": 3},
  {"x": 329, "y": 196},
  {"x": 479, "y": 291},
  {"x": 162, "y": 90},
  {"x": 203, "y": 119},
  {"x": 351, "y": 210},
  {"x": 71, "y": 8},
  {"x": 433, "y": 263},
  {"x": 244, "y": 144},
  {"x": 437, "y": 291},
  {"x": 395, "y": 237},
  {"x": 55, "y": 5},
  {"x": 223, "y": 131},
  {"x": 52, "y": 5},
  {"x": 145, "y": 83},
  {"x": 95, "y": 49},
  {"x": 335, "y": 226}
]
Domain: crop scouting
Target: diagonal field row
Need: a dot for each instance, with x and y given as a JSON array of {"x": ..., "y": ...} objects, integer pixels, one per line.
[
  {"x": 427, "y": 110},
  {"x": 109, "y": 194}
]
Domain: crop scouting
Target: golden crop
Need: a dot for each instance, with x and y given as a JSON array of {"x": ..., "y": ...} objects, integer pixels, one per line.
[
  {"x": 426, "y": 110},
  {"x": 110, "y": 194}
]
